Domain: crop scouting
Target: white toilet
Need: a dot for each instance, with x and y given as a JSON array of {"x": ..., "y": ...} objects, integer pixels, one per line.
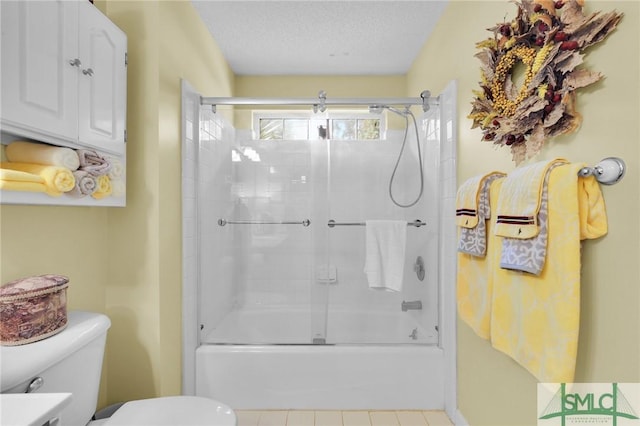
[{"x": 71, "y": 361}]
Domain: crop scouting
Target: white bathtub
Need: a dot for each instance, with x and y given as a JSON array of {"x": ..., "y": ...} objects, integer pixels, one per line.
[{"x": 333, "y": 376}]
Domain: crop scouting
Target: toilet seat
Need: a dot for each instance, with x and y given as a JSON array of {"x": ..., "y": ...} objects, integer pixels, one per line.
[{"x": 173, "y": 411}]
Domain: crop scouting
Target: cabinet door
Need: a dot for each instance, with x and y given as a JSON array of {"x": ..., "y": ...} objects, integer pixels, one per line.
[
  {"x": 103, "y": 81},
  {"x": 39, "y": 67}
]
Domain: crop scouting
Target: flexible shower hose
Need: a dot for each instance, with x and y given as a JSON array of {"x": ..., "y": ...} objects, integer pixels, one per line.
[{"x": 406, "y": 115}]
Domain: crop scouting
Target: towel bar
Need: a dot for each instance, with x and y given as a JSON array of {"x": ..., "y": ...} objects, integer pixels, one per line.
[
  {"x": 608, "y": 171},
  {"x": 417, "y": 223},
  {"x": 223, "y": 222}
]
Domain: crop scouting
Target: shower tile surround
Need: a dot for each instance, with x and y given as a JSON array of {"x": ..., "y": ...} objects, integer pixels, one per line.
[{"x": 348, "y": 202}]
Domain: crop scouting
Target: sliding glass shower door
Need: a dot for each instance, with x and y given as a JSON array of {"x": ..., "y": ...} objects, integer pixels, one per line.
[{"x": 272, "y": 270}]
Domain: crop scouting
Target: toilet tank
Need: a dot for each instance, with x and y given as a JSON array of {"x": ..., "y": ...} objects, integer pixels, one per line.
[{"x": 70, "y": 361}]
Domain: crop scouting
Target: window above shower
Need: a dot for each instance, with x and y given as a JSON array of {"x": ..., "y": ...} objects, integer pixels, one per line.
[{"x": 309, "y": 126}]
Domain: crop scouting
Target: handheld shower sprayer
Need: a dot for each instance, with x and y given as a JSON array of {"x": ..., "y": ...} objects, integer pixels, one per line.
[{"x": 406, "y": 114}]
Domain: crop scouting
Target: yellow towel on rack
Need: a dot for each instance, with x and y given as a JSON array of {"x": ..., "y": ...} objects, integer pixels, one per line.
[
  {"x": 14, "y": 180},
  {"x": 57, "y": 179},
  {"x": 519, "y": 200},
  {"x": 535, "y": 319},
  {"x": 475, "y": 278}
]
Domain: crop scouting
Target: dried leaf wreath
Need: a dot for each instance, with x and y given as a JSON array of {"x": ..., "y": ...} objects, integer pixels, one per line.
[{"x": 548, "y": 38}]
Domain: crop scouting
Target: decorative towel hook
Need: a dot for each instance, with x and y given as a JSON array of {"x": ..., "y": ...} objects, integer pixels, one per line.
[{"x": 608, "y": 171}]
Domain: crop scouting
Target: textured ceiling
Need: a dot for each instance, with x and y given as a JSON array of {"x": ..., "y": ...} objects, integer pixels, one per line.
[{"x": 320, "y": 37}]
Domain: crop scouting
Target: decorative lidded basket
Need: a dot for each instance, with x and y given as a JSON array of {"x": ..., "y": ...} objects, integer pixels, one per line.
[{"x": 32, "y": 309}]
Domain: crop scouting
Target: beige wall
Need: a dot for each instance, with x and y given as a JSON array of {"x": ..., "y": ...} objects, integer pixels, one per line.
[
  {"x": 71, "y": 241},
  {"x": 492, "y": 388},
  {"x": 167, "y": 43}
]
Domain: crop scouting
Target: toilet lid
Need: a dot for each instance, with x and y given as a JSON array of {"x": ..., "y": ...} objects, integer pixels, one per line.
[{"x": 173, "y": 411}]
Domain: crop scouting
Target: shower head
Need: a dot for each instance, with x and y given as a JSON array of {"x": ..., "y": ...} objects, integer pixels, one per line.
[{"x": 376, "y": 109}]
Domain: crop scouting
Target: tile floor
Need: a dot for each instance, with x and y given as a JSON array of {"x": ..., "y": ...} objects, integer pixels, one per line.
[{"x": 342, "y": 418}]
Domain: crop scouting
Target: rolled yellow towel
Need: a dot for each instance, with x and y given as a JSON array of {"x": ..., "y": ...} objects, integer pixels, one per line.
[
  {"x": 103, "y": 189},
  {"x": 38, "y": 153},
  {"x": 14, "y": 180},
  {"x": 57, "y": 179}
]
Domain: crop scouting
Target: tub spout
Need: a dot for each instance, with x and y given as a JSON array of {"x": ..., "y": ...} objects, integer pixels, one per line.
[{"x": 413, "y": 305}]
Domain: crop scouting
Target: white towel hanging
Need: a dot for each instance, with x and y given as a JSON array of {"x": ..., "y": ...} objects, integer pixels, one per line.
[{"x": 386, "y": 242}]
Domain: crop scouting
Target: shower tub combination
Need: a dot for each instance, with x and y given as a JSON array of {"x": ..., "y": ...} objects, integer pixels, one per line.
[
  {"x": 356, "y": 375},
  {"x": 277, "y": 310}
]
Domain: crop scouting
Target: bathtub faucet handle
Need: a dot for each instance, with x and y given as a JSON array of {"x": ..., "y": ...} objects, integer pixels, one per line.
[{"x": 418, "y": 268}]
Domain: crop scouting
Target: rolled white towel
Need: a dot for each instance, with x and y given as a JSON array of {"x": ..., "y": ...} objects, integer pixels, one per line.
[
  {"x": 46, "y": 155},
  {"x": 118, "y": 188},
  {"x": 93, "y": 162},
  {"x": 117, "y": 168},
  {"x": 85, "y": 184}
]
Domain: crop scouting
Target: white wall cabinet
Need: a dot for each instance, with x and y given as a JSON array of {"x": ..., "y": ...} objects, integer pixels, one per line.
[
  {"x": 39, "y": 81},
  {"x": 103, "y": 81},
  {"x": 64, "y": 76}
]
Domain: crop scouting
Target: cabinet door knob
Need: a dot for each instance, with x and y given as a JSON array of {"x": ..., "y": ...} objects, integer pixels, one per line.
[
  {"x": 88, "y": 72},
  {"x": 75, "y": 62}
]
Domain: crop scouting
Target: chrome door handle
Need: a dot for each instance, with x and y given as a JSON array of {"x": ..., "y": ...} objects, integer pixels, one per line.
[
  {"x": 88, "y": 72},
  {"x": 75, "y": 62}
]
